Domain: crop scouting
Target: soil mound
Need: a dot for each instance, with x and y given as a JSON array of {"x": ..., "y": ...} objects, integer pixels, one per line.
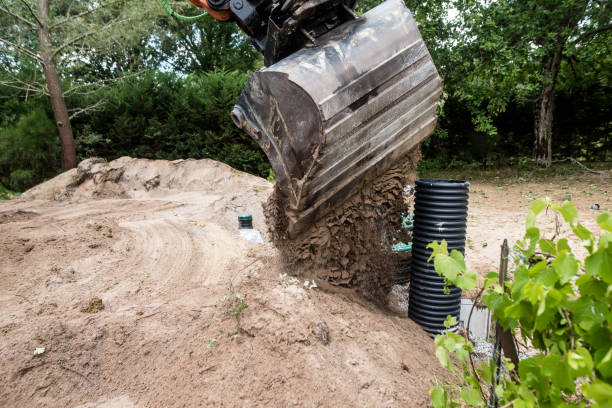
[
  {"x": 192, "y": 314},
  {"x": 142, "y": 178}
]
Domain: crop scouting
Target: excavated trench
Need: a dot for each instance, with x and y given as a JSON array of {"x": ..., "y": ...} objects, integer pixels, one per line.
[{"x": 351, "y": 246}]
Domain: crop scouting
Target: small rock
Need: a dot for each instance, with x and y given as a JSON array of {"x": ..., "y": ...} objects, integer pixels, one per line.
[
  {"x": 151, "y": 183},
  {"x": 321, "y": 333},
  {"x": 87, "y": 165}
]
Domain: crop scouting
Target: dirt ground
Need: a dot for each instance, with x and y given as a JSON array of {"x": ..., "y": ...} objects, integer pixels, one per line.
[
  {"x": 498, "y": 208},
  {"x": 190, "y": 314},
  {"x": 126, "y": 285}
]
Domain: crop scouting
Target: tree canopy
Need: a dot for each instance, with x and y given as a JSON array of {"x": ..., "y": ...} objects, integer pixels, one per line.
[{"x": 522, "y": 79}]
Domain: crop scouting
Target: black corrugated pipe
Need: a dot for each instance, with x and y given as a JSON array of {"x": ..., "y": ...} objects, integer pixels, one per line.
[{"x": 440, "y": 212}]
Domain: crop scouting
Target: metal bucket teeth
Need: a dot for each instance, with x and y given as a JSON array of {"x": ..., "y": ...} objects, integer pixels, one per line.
[{"x": 342, "y": 112}]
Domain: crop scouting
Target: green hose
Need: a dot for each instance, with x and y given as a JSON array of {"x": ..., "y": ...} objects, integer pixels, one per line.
[{"x": 178, "y": 16}]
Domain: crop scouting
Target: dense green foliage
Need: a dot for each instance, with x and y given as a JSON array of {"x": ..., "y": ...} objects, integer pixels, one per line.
[
  {"x": 560, "y": 304},
  {"x": 29, "y": 151},
  {"x": 139, "y": 83},
  {"x": 165, "y": 116},
  {"x": 493, "y": 78}
]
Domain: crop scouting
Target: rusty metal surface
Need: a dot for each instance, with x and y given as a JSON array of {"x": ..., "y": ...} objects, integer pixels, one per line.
[{"x": 340, "y": 113}]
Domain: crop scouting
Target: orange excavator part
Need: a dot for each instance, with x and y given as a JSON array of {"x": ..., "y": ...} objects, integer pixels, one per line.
[{"x": 220, "y": 15}]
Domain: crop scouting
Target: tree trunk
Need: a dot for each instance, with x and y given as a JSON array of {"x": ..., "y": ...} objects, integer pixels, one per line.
[
  {"x": 544, "y": 108},
  {"x": 60, "y": 112}
]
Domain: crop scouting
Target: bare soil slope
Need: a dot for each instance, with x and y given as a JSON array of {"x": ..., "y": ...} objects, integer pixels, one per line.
[{"x": 132, "y": 278}]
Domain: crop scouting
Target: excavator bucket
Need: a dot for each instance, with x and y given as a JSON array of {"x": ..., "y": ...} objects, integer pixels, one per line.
[{"x": 338, "y": 114}]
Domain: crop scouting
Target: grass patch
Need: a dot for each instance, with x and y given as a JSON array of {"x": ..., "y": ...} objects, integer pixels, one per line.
[
  {"x": 6, "y": 194},
  {"x": 522, "y": 170}
]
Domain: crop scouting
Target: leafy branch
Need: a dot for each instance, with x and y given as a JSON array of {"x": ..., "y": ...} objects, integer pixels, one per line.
[
  {"x": 18, "y": 17},
  {"x": 24, "y": 50},
  {"x": 560, "y": 304}
]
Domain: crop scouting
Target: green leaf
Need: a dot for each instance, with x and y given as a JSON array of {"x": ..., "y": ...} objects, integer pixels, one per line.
[
  {"x": 538, "y": 205},
  {"x": 605, "y": 365},
  {"x": 541, "y": 307},
  {"x": 443, "y": 357},
  {"x": 568, "y": 211},
  {"x": 449, "y": 344},
  {"x": 558, "y": 372},
  {"x": 450, "y": 321},
  {"x": 545, "y": 315},
  {"x": 587, "y": 312},
  {"x": 439, "y": 397},
  {"x": 485, "y": 371},
  {"x": 467, "y": 281},
  {"x": 472, "y": 397},
  {"x": 598, "y": 391},
  {"x": 437, "y": 248},
  {"x": 530, "y": 373},
  {"x": 546, "y": 245},
  {"x": 563, "y": 245},
  {"x": 599, "y": 338},
  {"x": 530, "y": 222},
  {"x": 462, "y": 353},
  {"x": 458, "y": 257},
  {"x": 566, "y": 266},
  {"x": 589, "y": 286},
  {"x": 533, "y": 235},
  {"x": 520, "y": 310},
  {"x": 605, "y": 240},
  {"x": 554, "y": 298},
  {"x": 492, "y": 277},
  {"x": 448, "y": 267},
  {"x": 585, "y": 235},
  {"x": 599, "y": 263},
  {"x": 605, "y": 221},
  {"x": 534, "y": 292},
  {"x": 580, "y": 361},
  {"x": 521, "y": 277},
  {"x": 547, "y": 276}
]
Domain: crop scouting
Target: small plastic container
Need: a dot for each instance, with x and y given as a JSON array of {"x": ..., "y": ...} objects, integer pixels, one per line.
[
  {"x": 246, "y": 230},
  {"x": 245, "y": 221}
]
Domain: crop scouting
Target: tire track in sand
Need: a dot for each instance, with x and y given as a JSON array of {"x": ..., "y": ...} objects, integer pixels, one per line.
[{"x": 181, "y": 260}]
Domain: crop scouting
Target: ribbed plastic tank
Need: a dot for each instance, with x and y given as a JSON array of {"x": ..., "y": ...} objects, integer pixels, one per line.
[{"x": 440, "y": 213}]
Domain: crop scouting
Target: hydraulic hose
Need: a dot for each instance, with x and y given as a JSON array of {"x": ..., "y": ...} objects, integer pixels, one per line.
[{"x": 180, "y": 17}]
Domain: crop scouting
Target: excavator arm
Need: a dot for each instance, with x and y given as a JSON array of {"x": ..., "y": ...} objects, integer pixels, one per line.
[{"x": 278, "y": 28}]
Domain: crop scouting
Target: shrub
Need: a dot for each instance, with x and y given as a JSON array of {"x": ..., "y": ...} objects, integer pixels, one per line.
[
  {"x": 165, "y": 116},
  {"x": 560, "y": 304},
  {"x": 29, "y": 151}
]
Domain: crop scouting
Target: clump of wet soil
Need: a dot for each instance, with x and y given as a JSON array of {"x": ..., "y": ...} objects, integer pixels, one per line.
[
  {"x": 95, "y": 305},
  {"x": 351, "y": 246}
]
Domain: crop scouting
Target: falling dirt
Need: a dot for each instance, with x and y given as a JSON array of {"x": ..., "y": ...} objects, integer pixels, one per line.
[
  {"x": 157, "y": 243},
  {"x": 351, "y": 246}
]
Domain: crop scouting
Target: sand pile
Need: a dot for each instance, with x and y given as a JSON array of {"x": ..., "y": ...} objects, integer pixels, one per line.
[
  {"x": 185, "y": 313},
  {"x": 141, "y": 178}
]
